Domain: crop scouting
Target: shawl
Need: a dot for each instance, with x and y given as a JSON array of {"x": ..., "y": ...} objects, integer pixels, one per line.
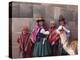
[
  {"x": 54, "y": 36},
  {"x": 36, "y": 30}
]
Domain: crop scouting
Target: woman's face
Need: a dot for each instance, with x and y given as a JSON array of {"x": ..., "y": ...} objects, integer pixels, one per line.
[
  {"x": 41, "y": 23},
  {"x": 61, "y": 22}
]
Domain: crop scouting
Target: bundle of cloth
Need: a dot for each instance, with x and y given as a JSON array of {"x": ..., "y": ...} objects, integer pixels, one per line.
[{"x": 70, "y": 48}]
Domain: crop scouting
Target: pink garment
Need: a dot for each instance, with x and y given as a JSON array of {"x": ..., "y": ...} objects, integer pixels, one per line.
[
  {"x": 34, "y": 33},
  {"x": 36, "y": 30}
]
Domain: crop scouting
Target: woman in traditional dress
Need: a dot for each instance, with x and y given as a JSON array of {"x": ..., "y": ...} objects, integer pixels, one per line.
[
  {"x": 39, "y": 38},
  {"x": 64, "y": 33},
  {"x": 54, "y": 38},
  {"x": 25, "y": 44}
]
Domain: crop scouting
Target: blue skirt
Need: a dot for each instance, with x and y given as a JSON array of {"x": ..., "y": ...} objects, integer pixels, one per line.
[{"x": 40, "y": 49}]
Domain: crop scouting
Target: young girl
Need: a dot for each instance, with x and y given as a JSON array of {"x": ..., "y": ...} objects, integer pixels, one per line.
[
  {"x": 24, "y": 42},
  {"x": 39, "y": 38},
  {"x": 64, "y": 33},
  {"x": 54, "y": 38}
]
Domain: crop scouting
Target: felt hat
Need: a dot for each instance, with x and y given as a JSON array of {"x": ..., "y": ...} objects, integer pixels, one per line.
[
  {"x": 39, "y": 19},
  {"x": 61, "y": 18}
]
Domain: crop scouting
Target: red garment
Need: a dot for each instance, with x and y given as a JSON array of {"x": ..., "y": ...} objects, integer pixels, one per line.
[
  {"x": 25, "y": 45},
  {"x": 54, "y": 36}
]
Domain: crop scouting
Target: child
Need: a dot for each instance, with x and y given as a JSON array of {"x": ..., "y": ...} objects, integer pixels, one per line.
[
  {"x": 64, "y": 34},
  {"x": 39, "y": 38},
  {"x": 54, "y": 38},
  {"x": 24, "y": 42}
]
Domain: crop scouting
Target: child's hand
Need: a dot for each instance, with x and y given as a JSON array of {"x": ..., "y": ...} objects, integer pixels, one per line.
[
  {"x": 47, "y": 33},
  {"x": 53, "y": 43},
  {"x": 25, "y": 49}
]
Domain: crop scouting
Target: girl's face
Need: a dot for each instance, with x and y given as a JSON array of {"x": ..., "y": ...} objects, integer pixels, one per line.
[
  {"x": 24, "y": 32},
  {"x": 61, "y": 22},
  {"x": 52, "y": 25},
  {"x": 41, "y": 23}
]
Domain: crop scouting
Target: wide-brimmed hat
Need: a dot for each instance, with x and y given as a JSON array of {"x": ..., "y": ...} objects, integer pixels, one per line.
[
  {"x": 39, "y": 19},
  {"x": 61, "y": 18}
]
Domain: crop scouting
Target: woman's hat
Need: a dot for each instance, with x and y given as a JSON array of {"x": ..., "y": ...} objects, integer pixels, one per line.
[
  {"x": 61, "y": 18},
  {"x": 39, "y": 19}
]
